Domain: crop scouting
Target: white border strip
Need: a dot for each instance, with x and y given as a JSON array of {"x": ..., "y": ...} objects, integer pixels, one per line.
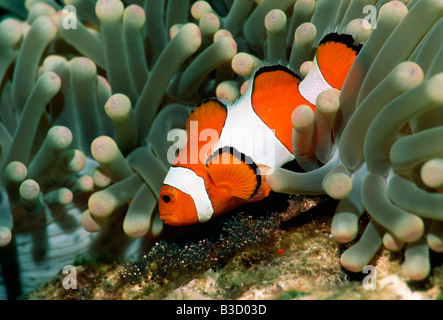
[
  {"x": 313, "y": 84},
  {"x": 187, "y": 181},
  {"x": 245, "y": 131}
]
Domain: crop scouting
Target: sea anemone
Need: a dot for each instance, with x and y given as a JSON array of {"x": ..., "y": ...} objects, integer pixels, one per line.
[
  {"x": 84, "y": 124},
  {"x": 387, "y": 141},
  {"x": 90, "y": 89}
]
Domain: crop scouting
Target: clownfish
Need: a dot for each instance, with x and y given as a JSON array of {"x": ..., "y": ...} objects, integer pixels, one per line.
[{"x": 234, "y": 146}]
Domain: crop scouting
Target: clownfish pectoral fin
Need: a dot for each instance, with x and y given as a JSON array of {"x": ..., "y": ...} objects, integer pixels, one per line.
[
  {"x": 264, "y": 189},
  {"x": 335, "y": 55},
  {"x": 234, "y": 172}
]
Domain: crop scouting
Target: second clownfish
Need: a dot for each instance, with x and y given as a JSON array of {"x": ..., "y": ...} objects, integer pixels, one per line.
[{"x": 234, "y": 146}]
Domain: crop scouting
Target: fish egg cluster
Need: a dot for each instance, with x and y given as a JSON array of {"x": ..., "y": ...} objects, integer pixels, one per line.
[{"x": 167, "y": 260}]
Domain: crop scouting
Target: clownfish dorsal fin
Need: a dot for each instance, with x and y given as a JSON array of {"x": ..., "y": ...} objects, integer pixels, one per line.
[
  {"x": 204, "y": 127},
  {"x": 335, "y": 55},
  {"x": 208, "y": 114},
  {"x": 274, "y": 87},
  {"x": 234, "y": 172},
  {"x": 275, "y": 95},
  {"x": 275, "y": 76}
]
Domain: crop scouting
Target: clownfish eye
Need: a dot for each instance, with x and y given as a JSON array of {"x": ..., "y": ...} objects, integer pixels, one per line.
[{"x": 168, "y": 196}]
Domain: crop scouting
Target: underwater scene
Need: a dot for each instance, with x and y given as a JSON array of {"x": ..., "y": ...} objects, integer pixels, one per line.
[{"x": 221, "y": 150}]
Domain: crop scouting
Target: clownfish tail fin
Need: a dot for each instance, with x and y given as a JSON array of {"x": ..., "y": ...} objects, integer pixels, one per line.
[{"x": 336, "y": 53}]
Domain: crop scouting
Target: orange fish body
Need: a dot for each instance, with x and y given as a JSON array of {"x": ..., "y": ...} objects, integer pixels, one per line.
[{"x": 230, "y": 149}]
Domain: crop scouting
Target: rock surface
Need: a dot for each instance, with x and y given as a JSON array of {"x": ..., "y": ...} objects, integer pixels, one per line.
[{"x": 300, "y": 261}]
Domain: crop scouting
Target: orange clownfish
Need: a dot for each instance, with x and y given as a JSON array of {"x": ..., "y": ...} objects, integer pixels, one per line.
[{"x": 230, "y": 148}]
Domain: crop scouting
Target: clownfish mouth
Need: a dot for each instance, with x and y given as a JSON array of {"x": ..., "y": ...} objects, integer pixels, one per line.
[{"x": 169, "y": 219}]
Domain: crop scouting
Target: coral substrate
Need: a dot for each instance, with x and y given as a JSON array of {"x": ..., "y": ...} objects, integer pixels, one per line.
[
  {"x": 298, "y": 261},
  {"x": 89, "y": 91}
]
